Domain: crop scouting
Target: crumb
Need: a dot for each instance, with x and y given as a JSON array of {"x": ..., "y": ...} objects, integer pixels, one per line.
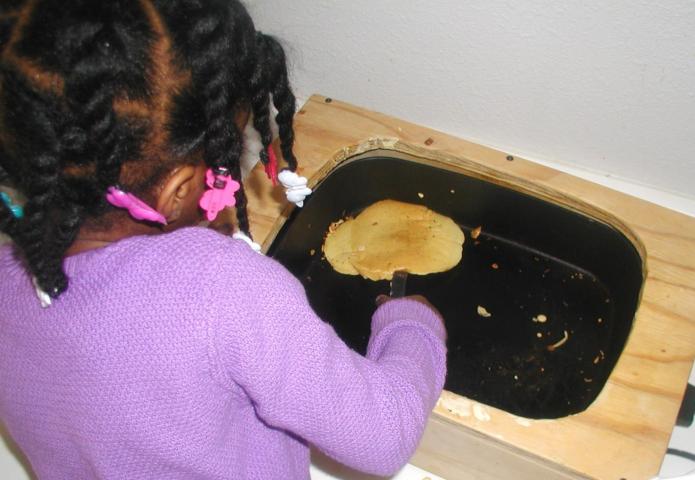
[
  {"x": 516, "y": 377},
  {"x": 540, "y": 318},
  {"x": 333, "y": 226},
  {"x": 556, "y": 345},
  {"x": 475, "y": 233},
  {"x": 539, "y": 335},
  {"x": 421, "y": 195},
  {"x": 452, "y": 190},
  {"x": 588, "y": 380},
  {"x": 495, "y": 266},
  {"x": 597, "y": 359},
  {"x": 312, "y": 252},
  {"x": 599, "y": 320},
  {"x": 483, "y": 312},
  {"x": 429, "y": 141}
]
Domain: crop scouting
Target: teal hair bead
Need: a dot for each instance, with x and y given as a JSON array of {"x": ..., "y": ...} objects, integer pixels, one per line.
[{"x": 17, "y": 210}]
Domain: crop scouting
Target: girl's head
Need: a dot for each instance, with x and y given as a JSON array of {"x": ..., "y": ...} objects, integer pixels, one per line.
[{"x": 124, "y": 92}]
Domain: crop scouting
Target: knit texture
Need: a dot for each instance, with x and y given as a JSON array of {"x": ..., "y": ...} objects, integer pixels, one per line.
[{"x": 189, "y": 356}]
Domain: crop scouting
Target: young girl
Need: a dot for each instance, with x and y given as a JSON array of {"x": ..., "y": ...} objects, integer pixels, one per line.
[{"x": 133, "y": 344}]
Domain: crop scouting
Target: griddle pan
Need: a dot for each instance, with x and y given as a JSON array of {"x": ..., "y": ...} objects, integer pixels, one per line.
[{"x": 538, "y": 310}]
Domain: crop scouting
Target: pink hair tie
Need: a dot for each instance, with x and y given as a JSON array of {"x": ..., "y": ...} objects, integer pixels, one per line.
[
  {"x": 138, "y": 209},
  {"x": 271, "y": 168},
  {"x": 221, "y": 193}
]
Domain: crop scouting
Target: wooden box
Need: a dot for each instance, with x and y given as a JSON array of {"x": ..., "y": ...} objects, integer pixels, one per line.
[{"x": 624, "y": 433}]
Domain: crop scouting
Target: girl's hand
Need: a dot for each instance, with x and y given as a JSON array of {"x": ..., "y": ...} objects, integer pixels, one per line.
[{"x": 381, "y": 299}]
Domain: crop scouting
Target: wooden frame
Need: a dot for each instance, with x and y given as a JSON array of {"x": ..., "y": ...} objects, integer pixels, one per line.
[{"x": 625, "y": 432}]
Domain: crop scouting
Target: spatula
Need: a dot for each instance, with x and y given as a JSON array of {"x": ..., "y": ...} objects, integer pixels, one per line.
[{"x": 400, "y": 277}]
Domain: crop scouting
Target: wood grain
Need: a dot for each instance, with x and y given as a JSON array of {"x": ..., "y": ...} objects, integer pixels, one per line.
[{"x": 625, "y": 432}]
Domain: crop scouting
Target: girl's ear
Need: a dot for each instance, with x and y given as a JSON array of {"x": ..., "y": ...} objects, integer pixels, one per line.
[{"x": 179, "y": 193}]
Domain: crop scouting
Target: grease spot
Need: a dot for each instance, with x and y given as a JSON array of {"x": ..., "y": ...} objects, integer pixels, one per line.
[{"x": 481, "y": 413}]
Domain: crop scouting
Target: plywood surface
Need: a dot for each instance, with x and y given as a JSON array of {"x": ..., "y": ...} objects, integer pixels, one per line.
[{"x": 625, "y": 432}]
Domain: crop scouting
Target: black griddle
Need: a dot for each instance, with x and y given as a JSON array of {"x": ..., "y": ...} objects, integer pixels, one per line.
[{"x": 532, "y": 259}]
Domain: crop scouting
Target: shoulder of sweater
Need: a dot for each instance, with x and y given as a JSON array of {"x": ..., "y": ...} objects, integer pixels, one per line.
[{"x": 207, "y": 249}]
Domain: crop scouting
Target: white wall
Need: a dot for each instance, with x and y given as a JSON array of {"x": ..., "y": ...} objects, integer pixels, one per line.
[{"x": 604, "y": 85}]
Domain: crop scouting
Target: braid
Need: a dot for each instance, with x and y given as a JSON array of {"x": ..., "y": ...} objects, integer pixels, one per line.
[
  {"x": 42, "y": 161},
  {"x": 271, "y": 63},
  {"x": 61, "y": 123},
  {"x": 283, "y": 98},
  {"x": 241, "y": 203},
  {"x": 8, "y": 223},
  {"x": 260, "y": 98},
  {"x": 91, "y": 88},
  {"x": 94, "y": 94},
  {"x": 217, "y": 75}
]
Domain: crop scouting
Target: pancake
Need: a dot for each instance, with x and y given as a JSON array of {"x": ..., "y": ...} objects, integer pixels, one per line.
[{"x": 390, "y": 235}]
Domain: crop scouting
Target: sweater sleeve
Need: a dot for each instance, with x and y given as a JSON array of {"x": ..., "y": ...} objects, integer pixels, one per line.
[{"x": 366, "y": 412}]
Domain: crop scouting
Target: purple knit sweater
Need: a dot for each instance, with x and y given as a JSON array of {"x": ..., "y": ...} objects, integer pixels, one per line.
[{"x": 189, "y": 356}]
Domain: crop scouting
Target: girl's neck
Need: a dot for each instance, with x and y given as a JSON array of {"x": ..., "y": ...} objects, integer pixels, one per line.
[{"x": 91, "y": 237}]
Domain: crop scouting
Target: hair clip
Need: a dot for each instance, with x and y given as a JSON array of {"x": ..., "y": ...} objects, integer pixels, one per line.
[
  {"x": 296, "y": 188},
  {"x": 221, "y": 193},
  {"x": 246, "y": 239},
  {"x": 271, "y": 168},
  {"x": 138, "y": 209},
  {"x": 17, "y": 210},
  {"x": 44, "y": 298}
]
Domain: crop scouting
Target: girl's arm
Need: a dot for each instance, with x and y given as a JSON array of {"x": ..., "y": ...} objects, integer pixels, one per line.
[{"x": 368, "y": 413}]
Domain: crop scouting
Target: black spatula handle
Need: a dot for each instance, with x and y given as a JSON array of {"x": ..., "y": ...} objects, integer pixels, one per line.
[{"x": 400, "y": 277}]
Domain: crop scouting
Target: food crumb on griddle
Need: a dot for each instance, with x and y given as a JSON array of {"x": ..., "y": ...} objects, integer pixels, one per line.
[
  {"x": 495, "y": 266},
  {"x": 483, "y": 312},
  {"x": 312, "y": 252},
  {"x": 475, "y": 233},
  {"x": 420, "y": 194},
  {"x": 556, "y": 345},
  {"x": 540, "y": 318}
]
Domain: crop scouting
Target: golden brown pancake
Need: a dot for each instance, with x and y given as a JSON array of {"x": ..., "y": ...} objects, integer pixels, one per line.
[{"x": 389, "y": 236}]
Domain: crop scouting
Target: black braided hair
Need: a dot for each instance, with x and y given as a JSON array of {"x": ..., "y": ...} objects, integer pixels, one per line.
[
  {"x": 283, "y": 99},
  {"x": 94, "y": 94},
  {"x": 270, "y": 80},
  {"x": 260, "y": 99}
]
